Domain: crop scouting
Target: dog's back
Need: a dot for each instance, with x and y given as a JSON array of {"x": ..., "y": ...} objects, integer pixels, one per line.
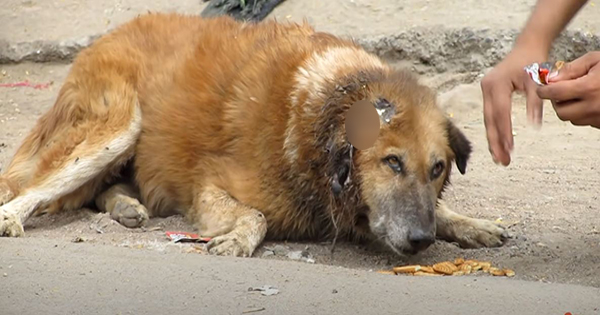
[{"x": 223, "y": 114}]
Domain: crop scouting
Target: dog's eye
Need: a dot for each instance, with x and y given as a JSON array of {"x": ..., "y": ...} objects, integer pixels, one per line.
[
  {"x": 437, "y": 170},
  {"x": 394, "y": 163}
]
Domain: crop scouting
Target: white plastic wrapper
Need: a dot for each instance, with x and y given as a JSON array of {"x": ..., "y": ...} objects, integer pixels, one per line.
[{"x": 540, "y": 73}]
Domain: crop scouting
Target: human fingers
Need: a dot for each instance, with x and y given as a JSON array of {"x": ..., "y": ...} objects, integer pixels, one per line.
[
  {"x": 497, "y": 119},
  {"x": 575, "y": 111},
  {"x": 503, "y": 96},
  {"x": 490, "y": 125},
  {"x": 588, "y": 121},
  {"x": 565, "y": 90},
  {"x": 576, "y": 68},
  {"x": 534, "y": 104}
]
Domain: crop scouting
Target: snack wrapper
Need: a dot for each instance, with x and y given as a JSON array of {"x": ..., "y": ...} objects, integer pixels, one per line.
[
  {"x": 185, "y": 237},
  {"x": 540, "y": 72}
]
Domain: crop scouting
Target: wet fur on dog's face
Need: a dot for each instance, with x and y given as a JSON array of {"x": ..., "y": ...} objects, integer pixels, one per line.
[{"x": 403, "y": 174}]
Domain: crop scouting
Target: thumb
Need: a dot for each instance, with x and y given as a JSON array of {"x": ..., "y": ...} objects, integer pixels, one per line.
[{"x": 575, "y": 69}]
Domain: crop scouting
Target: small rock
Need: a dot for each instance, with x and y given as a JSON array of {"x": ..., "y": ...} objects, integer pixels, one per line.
[
  {"x": 334, "y": 291},
  {"x": 266, "y": 290},
  {"x": 268, "y": 253},
  {"x": 301, "y": 255},
  {"x": 5, "y": 274},
  {"x": 78, "y": 240},
  {"x": 280, "y": 250},
  {"x": 296, "y": 255}
]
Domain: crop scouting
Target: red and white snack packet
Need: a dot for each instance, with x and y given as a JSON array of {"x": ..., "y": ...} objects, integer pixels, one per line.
[
  {"x": 540, "y": 73},
  {"x": 185, "y": 237}
]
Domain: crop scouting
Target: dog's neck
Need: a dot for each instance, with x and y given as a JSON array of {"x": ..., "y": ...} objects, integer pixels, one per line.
[{"x": 315, "y": 144}]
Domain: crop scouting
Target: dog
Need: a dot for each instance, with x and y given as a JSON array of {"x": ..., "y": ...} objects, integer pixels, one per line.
[{"x": 240, "y": 127}]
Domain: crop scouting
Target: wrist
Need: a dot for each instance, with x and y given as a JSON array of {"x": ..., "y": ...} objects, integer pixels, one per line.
[{"x": 528, "y": 52}]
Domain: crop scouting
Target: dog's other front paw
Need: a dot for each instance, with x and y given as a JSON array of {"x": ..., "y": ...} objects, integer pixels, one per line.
[
  {"x": 477, "y": 233},
  {"x": 231, "y": 244},
  {"x": 10, "y": 224}
]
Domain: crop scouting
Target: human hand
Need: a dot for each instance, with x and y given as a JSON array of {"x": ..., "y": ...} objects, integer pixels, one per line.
[
  {"x": 575, "y": 91},
  {"x": 497, "y": 87}
]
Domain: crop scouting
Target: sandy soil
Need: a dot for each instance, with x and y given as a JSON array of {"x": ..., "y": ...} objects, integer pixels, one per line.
[
  {"x": 548, "y": 196},
  {"x": 24, "y": 20}
]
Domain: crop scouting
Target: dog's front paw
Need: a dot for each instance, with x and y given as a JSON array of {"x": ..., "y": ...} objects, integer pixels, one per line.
[
  {"x": 10, "y": 224},
  {"x": 231, "y": 244},
  {"x": 477, "y": 233},
  {"x": 130, "y": 213}
]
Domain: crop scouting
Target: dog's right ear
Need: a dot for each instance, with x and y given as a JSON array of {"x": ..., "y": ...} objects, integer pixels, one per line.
[
  {"x": 341, "y": 168},
  {"x": 460, "y": 145},
  {"x": 339, "y": 178}
]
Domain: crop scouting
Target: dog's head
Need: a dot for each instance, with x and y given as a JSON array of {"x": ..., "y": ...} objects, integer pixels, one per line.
[{"x": 404, "y": 173}]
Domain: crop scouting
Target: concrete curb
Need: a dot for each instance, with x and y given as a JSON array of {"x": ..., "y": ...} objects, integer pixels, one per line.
[
  {"x": 59, "y": 275},
  {"x": 440, "y": 49}
]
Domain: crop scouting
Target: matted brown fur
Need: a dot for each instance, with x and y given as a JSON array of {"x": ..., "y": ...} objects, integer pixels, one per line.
[{"x": 241, "y": 128}]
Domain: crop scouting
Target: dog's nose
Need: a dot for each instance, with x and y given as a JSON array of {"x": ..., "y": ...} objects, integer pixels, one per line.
[{"x": 419, "y": 240}]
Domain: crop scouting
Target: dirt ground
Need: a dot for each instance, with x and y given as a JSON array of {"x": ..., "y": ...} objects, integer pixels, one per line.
[
  {"x": 27, "y": 20},
  {"x": 547, "y": 196}
]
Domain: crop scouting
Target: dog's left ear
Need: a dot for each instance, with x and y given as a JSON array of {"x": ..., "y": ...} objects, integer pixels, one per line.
[{"x": 460, "y": 145}]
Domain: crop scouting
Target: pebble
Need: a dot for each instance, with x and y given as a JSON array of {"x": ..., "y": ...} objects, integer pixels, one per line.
[
  {"x": 296, "y": 255},
  {"x": 5, "y": 274},
  {"x": 268, "y": 254},
  {"x": 301, "y": 255},
  {"x": 280, "y": 250}
]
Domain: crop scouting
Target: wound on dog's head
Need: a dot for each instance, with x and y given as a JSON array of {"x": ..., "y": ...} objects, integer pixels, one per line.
[
  {"x": 385, "y": 109},
  {"x": 362, "y": 124}
]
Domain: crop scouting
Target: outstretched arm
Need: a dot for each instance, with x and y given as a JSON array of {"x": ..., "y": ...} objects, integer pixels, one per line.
[{"x": 548, "y": 19}]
